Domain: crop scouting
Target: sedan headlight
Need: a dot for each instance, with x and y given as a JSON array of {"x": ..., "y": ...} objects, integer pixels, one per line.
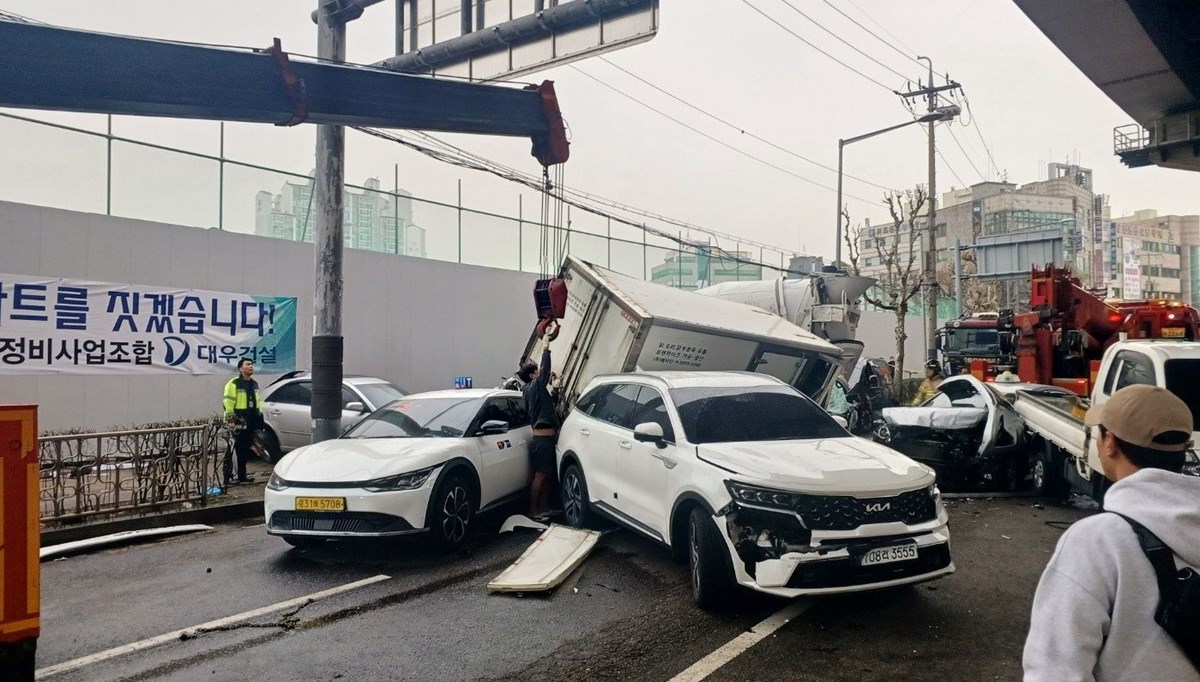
[
  {"x": 410, "y": 481},
  {"x": 764, "y": 497},
  {"x": 276, "y": 482}
]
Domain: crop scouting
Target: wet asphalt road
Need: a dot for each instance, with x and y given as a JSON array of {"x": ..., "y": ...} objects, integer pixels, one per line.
[{"x": 625, "y": 615}]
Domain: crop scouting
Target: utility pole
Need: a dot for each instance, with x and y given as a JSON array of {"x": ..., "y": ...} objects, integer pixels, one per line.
[
  {"x": 328, "y": 241},
  {"x": 930, "y": 92}
]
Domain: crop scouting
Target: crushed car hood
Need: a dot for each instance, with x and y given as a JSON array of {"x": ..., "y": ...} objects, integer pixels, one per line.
[
  {"x": 952, "y": 418},
  {"x": 346, "y": 460},
  {"x": 835, "y": 465}
]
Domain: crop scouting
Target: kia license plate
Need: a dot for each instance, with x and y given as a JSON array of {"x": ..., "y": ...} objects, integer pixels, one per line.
[
  {"x": 887, "y": 555},
  {"x": 327, "y": 504}
]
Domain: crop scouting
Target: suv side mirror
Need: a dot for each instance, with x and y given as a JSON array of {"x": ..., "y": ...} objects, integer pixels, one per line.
[
  {"x": 356, "y": 406},
  {"x": 841, "y": 421},
  {"x": 493, "y": 427},
  {"x": 649, "y": 432}
]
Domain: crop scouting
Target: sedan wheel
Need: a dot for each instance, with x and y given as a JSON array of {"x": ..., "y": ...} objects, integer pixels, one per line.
[{"x": 453, "y": 513}]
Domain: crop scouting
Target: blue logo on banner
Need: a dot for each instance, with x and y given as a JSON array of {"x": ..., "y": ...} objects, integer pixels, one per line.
[{"x": 463, "y": 382}]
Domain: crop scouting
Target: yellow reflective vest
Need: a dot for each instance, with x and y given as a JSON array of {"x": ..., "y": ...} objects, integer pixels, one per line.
[
  {"x": 237, "y": 400},
  {"x": 927, "y": 390}
]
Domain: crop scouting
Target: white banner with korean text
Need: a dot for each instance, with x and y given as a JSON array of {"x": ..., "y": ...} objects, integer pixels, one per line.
[{"x": 63, "y": 326}]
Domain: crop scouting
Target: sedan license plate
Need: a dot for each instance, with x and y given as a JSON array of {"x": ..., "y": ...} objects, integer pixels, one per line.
[
  {"x": 334, "y": 504},
  {"x": 886, "y": 555},
  {"x": 1173, "y": 332}
]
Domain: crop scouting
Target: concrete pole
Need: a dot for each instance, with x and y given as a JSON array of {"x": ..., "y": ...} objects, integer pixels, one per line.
[
  {"x": 958, "y": 306},
  {"x": 329, "y": 240},
  {"x": 931, "y": 254}
]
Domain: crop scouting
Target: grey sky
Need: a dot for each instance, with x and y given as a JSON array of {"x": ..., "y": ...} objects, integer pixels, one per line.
[{"x": 1033, "y": 104}]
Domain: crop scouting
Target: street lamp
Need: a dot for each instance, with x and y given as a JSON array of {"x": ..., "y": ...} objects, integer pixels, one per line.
[{"x": 942, "y": 114}]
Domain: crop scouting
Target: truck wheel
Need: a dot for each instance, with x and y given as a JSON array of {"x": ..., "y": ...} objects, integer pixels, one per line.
[
  {"x": 708, "y": 562},
  {"x": 1047, "y": 472}
]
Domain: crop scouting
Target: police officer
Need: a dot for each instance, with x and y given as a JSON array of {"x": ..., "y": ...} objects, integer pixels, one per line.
[{"x": 242, "y": 405}]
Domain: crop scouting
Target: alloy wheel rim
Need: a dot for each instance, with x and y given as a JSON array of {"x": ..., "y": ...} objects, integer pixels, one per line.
[
  {"x": 694, "y": 553},
  {"x": 1039, "y": 475},
  {"x": 456, "y": 514},
  {"x": 574, "y": 501}
]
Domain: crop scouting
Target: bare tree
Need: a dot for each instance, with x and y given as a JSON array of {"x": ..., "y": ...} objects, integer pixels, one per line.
[
  {"x": 977, "y": 295},
  {"x": 898, "y": 248}
]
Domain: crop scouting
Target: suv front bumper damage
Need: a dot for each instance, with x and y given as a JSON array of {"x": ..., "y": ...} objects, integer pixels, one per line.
[{"x": 772, "y": 551}]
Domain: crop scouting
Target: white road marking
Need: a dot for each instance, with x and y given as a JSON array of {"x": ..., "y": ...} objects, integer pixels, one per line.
[
  {"x": 76, "y": 664},
  {"x": 738, "y": 645}
]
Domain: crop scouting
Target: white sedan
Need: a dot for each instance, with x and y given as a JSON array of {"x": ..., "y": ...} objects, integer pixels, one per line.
[{"x": 429, "y": 461}]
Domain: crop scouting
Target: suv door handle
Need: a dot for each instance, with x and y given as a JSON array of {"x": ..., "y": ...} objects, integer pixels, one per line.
[
  {"x": 626, "y": 445},
  {"x": 275, "y": 413},
  {"x": 585, "y": 432}
]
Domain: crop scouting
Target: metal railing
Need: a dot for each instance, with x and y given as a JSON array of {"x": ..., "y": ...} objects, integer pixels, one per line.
[
  {"x": 85, "y": 475},
  {"x": 99, "y": 171},
  {"x": 1130, "y": 138}
]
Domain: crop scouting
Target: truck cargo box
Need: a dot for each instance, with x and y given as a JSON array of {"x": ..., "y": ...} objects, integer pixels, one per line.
[{"x": 616, "y": 323}]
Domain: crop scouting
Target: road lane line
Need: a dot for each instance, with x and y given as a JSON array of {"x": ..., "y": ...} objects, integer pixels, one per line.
[
  {"x": 738, "y": 645},
  {"x": 76, "y": 664}
]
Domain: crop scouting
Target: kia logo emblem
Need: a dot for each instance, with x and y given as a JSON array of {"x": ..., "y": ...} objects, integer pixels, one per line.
[{"x": 879, "y": 507}]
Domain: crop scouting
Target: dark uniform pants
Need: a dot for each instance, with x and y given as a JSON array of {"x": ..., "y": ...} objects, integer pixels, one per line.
[{"x": 242, "y": 442}]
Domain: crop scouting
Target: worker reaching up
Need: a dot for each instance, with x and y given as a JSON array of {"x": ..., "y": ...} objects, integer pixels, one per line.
[{"x": 929, "y": 387}]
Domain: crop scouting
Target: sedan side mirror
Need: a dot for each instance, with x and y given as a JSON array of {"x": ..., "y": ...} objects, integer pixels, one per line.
[
  {"x": 357, "y": 406},
  {"x": 493, "y": 427},
  {"x": 841, "y": 421},
  {"x": 649, "y": 432}
]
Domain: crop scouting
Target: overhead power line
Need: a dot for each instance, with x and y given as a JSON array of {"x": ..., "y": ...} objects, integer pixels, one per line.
[
  {"x": 705, "y": 135},
  {"x": 950, "y": 168},
  {"x": 444, "y": 151},
  {"x": 734, "y": 126},
  {"x": 802, "y": 39},
  {"x": 909, "y": 55},
  {"x": 842, "y": 40},
  {"x": 881, "y": 27},
  {"x": 982, "y": 176}
]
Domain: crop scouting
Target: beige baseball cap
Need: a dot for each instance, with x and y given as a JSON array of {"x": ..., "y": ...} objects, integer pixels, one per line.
[{"x": 1146, "y": 416}]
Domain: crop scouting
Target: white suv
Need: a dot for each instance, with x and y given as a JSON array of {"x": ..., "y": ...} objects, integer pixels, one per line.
[{"x": 753, "y": 482}]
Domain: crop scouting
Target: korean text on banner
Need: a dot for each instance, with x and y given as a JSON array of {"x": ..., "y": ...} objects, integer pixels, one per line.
[{"x": 61, "y": 326}]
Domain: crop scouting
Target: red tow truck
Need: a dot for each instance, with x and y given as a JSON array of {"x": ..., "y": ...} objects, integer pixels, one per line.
[{"x": 1063, "y": 338}]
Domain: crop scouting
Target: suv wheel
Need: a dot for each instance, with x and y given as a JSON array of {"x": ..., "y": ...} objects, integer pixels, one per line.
[
  {"x": 707, "y": 562},
  {"x": 576, "y": 507},
  {"x": 453, "y": 512}
]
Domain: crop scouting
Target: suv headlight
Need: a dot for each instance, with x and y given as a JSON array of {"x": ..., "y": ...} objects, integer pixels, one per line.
[
  {"x": 410, "y": 481},
  {"x": 764, "y": 497},
  {"x": 276, "y": 482}
]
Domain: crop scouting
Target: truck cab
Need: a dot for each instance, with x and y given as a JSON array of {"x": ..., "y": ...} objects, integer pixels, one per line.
[
  {"x": 1069, "y": 459},
  {"x": 1173, "y": 365}
]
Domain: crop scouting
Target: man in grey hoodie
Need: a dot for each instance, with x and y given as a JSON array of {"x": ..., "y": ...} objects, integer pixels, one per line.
[{"x": 1093, "y": 614}]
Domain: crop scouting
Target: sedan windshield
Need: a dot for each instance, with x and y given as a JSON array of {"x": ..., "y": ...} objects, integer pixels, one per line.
[
  {"x": 739, "y": 414},
  {"x": 380, "y": 394},
  {"x": 419, "y": 418}
]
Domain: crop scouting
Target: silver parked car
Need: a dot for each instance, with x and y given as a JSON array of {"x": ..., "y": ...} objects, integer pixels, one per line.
[{"x": 287, "y": 405}]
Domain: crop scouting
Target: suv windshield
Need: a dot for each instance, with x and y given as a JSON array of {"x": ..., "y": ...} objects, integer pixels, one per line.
[
  {"x": 739, "y": 414},
  {"x": 421, "y": 418},
  {"x": 380, "y": 394},
  {"x": 1183, "y": 379}
]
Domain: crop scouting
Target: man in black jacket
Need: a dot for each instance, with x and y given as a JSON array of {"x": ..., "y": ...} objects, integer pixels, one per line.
[{"x": 541, "y": 401}]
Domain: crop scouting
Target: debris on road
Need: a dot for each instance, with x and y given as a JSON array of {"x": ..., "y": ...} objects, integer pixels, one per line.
[
  {"x": 117, "y": 538},
  {"x": 521, "y": 521},
  {"x": 557, "y": 552}
]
